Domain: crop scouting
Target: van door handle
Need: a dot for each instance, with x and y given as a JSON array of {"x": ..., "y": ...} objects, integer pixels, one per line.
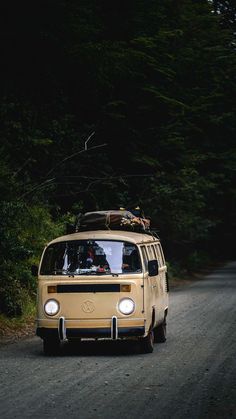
[{"x": 154, "y": 286}]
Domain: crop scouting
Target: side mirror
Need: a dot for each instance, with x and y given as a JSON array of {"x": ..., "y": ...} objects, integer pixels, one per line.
[
  {"x": 153, "y": 267},
  {"x": 34, "y": 270}
]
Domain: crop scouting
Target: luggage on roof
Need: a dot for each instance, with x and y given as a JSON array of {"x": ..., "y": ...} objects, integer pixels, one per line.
[{"x": 112, "y": 220}]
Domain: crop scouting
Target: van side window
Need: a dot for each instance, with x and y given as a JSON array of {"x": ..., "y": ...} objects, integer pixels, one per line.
[
  {"x": 154, "y": 252},
  {"x": 158, "y": 256},
  {"x": 145, "y": 258},
  {"x": 150, "y": 253},
  {"x": 161, "y": 255}
]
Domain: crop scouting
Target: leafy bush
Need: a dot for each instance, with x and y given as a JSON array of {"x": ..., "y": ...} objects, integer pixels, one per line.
[{"x": 24, "y": 232}]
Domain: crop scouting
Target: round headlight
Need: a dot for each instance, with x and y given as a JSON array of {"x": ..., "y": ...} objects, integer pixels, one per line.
[
  {"x": 126, "y": 306},
  {"x": 51, "y": 307}
]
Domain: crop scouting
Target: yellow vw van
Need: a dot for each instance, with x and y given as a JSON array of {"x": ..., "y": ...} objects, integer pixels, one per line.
[{"x": 102, "y": 284}]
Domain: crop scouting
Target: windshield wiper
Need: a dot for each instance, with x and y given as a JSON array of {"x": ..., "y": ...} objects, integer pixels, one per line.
[
  {"x": 58, "y": 271},
  {"x": 74, "y": 273}
]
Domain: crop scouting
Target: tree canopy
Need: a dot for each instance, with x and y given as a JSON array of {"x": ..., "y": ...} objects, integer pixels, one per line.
[{"x": 154, "y": 83}]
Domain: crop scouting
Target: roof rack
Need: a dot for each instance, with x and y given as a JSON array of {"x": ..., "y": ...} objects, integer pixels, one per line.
[{"x": 112, "y": 220}]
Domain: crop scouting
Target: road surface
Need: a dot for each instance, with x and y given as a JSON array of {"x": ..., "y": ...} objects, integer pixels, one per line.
[{"x": 192, "y": 375}]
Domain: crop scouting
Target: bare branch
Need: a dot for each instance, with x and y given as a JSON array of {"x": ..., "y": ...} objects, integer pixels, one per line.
[
  {"x": 38, "y": 187},
  {"x": 73, "y": 155},
  {"x": 85, "y": 144},
  {"x": 23, "y": 165}
]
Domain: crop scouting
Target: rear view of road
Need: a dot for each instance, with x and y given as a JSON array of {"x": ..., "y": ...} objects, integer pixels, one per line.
[{"x": 192, "y": 375}]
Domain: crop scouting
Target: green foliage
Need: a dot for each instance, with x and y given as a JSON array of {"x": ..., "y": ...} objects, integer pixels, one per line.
[
  {"x": 157, "y": 86},
  {"x": 24, "y": 232},
  {"x": 196, "y": 261},
  {"x": 14, "y": 296}
]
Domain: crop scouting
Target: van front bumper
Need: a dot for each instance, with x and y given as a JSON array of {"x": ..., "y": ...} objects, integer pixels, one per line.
[{"x": 91, "y": 329}]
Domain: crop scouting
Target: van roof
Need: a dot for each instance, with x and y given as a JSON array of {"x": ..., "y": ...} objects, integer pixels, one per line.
[{"x": 130, "y": 236}]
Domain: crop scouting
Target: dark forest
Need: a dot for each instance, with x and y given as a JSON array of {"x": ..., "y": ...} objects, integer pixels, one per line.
[{"x": 109, "y": 104}]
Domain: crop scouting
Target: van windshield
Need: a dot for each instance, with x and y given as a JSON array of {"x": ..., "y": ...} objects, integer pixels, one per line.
[{"x": 90, "y": 257}]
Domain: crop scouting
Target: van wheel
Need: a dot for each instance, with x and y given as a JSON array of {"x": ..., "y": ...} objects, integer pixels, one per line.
[
  {"x": 51, "y": 347},
  {"x": 160, "y": 333},
  {"x": 147, "y": 343}
]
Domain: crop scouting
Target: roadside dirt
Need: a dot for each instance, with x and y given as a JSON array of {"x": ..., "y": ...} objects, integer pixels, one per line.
[
  {"x": 195, "y": 276},
  {"x": 13, "y": 330}
]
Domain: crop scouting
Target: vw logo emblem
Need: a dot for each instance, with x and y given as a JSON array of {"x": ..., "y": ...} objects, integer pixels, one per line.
[{"x": 88, "y": 306}]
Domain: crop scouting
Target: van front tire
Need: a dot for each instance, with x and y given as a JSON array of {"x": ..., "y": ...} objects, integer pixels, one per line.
[
  {"x": 147, "y": 343},
  {"x": 51, "y": 347},
  {"x": 160, "y": 333}
]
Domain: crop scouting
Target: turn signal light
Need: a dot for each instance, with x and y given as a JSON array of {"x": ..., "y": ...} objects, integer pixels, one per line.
[
  {"x": 125, "y": 288},
  {"x": 52, "y": 289}
]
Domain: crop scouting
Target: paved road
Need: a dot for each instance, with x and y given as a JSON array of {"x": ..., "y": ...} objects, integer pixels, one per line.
[{"x": 192, "y": 375}]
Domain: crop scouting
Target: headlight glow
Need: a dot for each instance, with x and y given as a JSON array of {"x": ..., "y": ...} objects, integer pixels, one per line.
[
  {"x": 51, "y": 307},
  {"x": 126, "y": 306}
]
